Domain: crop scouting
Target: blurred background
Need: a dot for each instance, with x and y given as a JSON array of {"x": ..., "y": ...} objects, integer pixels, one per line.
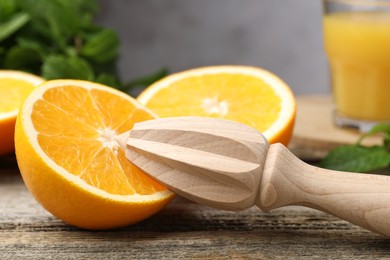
[{"x": 284, "y": 37}]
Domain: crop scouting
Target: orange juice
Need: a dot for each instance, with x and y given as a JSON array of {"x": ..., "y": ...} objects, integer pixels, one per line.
[{"x": 358, "y": 48}]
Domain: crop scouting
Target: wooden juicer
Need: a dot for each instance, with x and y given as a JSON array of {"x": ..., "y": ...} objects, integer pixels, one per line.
[{"x": 231, "y": 166}]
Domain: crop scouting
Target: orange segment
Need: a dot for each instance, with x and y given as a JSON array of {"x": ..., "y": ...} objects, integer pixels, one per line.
[
  {"x": 14, "y": 88},
  {"x": 71, "y": 126},
  {"x": 70, "y": 99},
  {"x": 249, "y": 95}
]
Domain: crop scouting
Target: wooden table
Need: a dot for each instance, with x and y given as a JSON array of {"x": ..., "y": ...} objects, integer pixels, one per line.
[{"x": 182, "y": 230}]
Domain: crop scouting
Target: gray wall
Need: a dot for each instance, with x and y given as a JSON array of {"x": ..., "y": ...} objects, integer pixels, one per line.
[{"x": 283, "y": 36}]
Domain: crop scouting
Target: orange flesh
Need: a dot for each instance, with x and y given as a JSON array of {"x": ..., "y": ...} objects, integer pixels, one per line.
[
  {"x": 207, "y": 95},
  {"x": 13, "y": 91},
  {"x": 81, "y": 140}
]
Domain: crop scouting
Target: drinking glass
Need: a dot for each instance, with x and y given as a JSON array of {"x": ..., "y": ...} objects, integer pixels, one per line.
[{"x": 357, "y": 44}]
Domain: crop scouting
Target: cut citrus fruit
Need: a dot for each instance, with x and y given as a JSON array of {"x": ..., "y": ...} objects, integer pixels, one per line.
[
  {"x": 246, "y": 94},
  {"x": 69, "y": 159},
  {"x": 14, "y": 88}
]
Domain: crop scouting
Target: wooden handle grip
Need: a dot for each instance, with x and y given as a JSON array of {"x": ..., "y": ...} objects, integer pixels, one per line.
[{"x": 362, "y": 199}]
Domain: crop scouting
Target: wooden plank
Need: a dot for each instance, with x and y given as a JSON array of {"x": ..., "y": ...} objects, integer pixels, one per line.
[{"x": 180, "y": 231}]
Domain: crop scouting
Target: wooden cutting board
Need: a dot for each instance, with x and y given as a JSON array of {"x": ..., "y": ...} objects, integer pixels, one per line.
[{"x": 315, "y": 133}]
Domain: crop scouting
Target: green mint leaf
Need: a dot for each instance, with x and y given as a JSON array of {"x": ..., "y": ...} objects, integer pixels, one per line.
[
  {"x": 379, "y": 128},
  {"x": 7, "y": 9},
  {"x": 22, "y": 58},
  {"x": 16, "y": 22},
  {"x": 88, "y": 9},
  {"x": 386, "y": 141},
  {"x": 107, "y": 79},
  {"x": 88, "y": 6},
  {"x": 33, "y": 44},
  {"x": 55, "y": 20},
  {"x": 356, "y": 158},
  {"x": 62, "y": 67},
  {"x": 101, "y": 47}
]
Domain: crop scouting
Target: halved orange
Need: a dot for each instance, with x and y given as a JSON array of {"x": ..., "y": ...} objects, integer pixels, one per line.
[
  {"x": 70, "y": 161},
  {"x": 249, "y": 95},
  {"x": 14, "y": 88}
]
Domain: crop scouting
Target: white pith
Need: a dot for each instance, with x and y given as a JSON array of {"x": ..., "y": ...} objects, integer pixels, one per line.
[
  {"x": 107, "y": 138},
  {"x": 215, "y": 106}
]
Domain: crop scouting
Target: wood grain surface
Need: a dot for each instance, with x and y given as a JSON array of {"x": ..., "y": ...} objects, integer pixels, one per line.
[{"x": 182, "y": 230}]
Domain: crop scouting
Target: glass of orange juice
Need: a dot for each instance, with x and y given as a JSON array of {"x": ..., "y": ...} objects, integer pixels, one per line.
[{"x": 357, "y": 44}]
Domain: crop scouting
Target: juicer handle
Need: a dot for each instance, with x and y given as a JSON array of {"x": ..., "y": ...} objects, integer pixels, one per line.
[{"x": 362, "y": 199}]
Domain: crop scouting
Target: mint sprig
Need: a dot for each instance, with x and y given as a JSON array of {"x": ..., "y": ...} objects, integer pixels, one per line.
[
  {"x": 360, "y": 158},
  {"x": 58, "y": 39}
]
